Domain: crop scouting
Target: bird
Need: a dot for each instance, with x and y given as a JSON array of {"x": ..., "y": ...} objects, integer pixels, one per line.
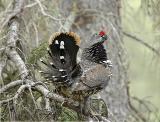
[{"x": 73, "y": 79}]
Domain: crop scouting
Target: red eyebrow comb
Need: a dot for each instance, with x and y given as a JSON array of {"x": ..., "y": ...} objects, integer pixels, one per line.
[{"x": 102, "y": 33}]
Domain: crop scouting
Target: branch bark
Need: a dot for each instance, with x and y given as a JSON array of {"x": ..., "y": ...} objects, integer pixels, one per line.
[
  {"x": 13, "y": 37},
  {"x": 2, "y": 65},
  {"x": 10, "y": 85}
]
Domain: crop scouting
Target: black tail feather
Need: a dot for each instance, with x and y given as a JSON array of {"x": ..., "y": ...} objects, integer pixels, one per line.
[
  {"x": 62, "y": 51},
  {"x": 63, "y": 45},
  {"x": 43, "y": 62},
  {"x": 49, "y": 53}
]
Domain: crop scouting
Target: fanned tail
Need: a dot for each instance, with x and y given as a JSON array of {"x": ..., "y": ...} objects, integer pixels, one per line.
[{"x": 62, "y": 51}]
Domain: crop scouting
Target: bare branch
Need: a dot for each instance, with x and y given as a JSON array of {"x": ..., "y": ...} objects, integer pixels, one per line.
[
  {"x": 131, "y": 106},
  {"x": 34, "y": 101},
  {"x": 67, "y": 102},
  {"x": 44, "y": 13},
  {"x": 13, "y": 37},
  {"x": 11, "y": 85},
  {"x": 32, "y": 5},
  {"x": 19, "y": 91},
  {"x": 36, "y": 34},
  {"x": 47, "y": 104},
  {"x": 2, "y": 65},
  {"x": 19, "y": 4},
  {"x": 14, "y": 56},
  {"x": 45, "y": 92},
  {"x": 142, "y": 42}
]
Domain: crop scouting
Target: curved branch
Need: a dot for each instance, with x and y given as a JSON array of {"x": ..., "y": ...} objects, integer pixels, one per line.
[
  {"x": 19, "y": 91},
  {"x": 44, "y": 13},
  {"x": 11, "y": 85},
  {"x": 142, "y": 42}
]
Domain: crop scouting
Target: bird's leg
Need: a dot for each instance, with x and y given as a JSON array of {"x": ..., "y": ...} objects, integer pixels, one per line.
[
  {"x": 88, "y": 110},
  {"x": 86, "y": 107},
  {"x": 80, "y": 117},
  {"x": 99, "y": 108}
]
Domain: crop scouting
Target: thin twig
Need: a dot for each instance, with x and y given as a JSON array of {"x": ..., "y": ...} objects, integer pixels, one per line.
[
  {"x": 34, "y": 101},
  {"x": 44, "y": 13},
  {"x": 132, "y": 106},
  {"x": 36, "y": 34},
  {"x": 32, "y": 5},
  {"x": 10, "y": 85},
  {"x": 19, "y": 91},
  {"x": 142, "y": 42}
]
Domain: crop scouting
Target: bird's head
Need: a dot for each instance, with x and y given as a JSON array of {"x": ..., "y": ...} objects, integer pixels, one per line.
[
  {"x": 100, "y": 36},
  {"x": 103, "y": 35}
]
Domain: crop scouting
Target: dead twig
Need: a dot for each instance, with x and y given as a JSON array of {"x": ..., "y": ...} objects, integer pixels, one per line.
[
  {"x": 44, "y": 13},
  {"x": 32, "y": 5},
  {"x": 36, "y": 34},
  {"x": 131, "y": 106},
  {"x": 10, "y": 85},
  {"x": 19, "y": 91}
]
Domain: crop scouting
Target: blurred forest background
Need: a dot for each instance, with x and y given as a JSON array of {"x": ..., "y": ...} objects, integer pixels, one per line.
[
  {"x": 141, "y": 19},
  {"x": 139, "y": 28}
]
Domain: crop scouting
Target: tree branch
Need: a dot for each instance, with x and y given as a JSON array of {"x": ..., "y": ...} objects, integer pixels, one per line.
[
  {"x": 18, "y": 7},
  {"x": 19, "y": 91},
  {"x": 45, "y": 92},
  {"x": 14, "y": 56},
  {"x": 44, "y": 13},
  {"x": 131, "y": 106},
  {"x": 32, "y": 4},
  {"x": 142, "y": 42},
  {"x": 2, "y": 65},
  {"x": 13, "y": 37},
  {"x": 10, "y": 85},
  {"x": 66, "y": 102}
]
